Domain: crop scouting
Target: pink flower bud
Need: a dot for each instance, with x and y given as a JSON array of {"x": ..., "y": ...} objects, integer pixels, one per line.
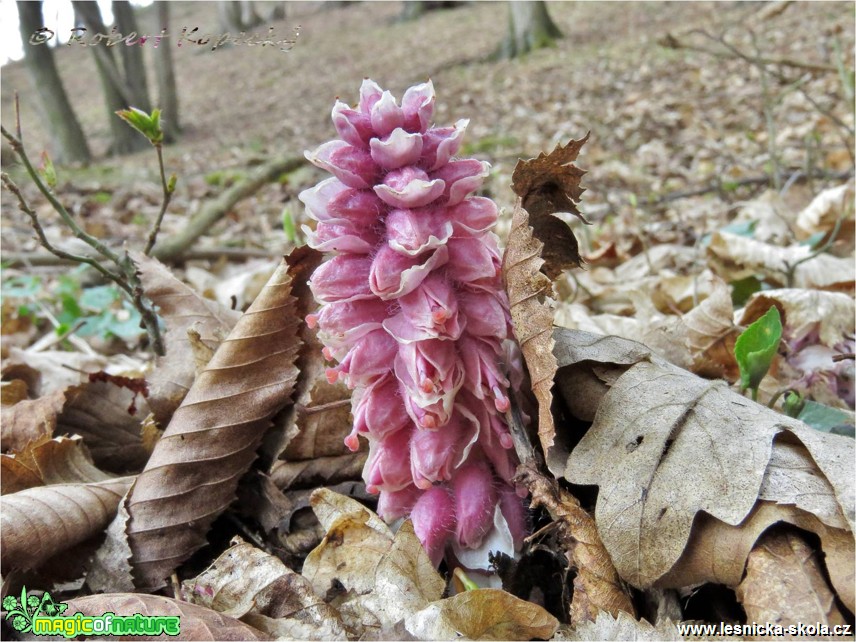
[
  {"x": 433, "y": 521},
  {"x": 475, "y": 499}
]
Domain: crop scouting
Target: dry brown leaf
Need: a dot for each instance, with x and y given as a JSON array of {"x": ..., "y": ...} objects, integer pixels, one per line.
[
  {"x": 38, "y": 523},
  {"x": 197, "y": 622},
  {"x": 710, "y": 333},
  {"x": 61, "y": 460},
  {"x": 245, "y": 580},
  {"x": 28, "y": 421},
  {"x": 11, "y": 392},
  {"x": 831, "y": 313},
  {"x": 597, "y": 586},
  {"x": 735, "y": 257},
  {"x": 482, "y": 614},
  {"x": 827, "y": 207},
  {"x": 212, "y": 438},
  {"x": 181, "y": 308},
  {"x": 621, "y": 627},
  {"x": 666, "y": 445},
  {"x": 385, "y": 578},
  {"x": 318, "y": 471},
  {"x": 784, "y": 583},
  {"x": 98, "y": 411},
  {"x": 770, "y": 216}
]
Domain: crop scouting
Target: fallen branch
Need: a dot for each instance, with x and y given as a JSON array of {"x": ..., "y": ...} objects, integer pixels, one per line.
[{"x": 214, "y": 210}]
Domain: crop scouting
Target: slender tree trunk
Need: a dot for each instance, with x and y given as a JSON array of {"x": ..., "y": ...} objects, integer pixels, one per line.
[
  {"x": 167, "y": 93},
  {"x": 132, "y": 57},
  {"x": 529, "y": 27},
  {"x": 69, "y": 143},
  {"x": 277, "y": 12},
  {"x": 231, "y": 19},
  {"x": 116, "y": 93}
]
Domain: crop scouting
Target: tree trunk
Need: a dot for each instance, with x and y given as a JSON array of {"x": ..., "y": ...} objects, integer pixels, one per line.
[
  {"x": 116, "y": 94},
  {"x": 277, "y": 12},
  {"x": 68, "y": 142},
  {"x": 167, "y": 93},
  {"x": 414, "y": 9},
  {"x": 529, "y": 27},
  {"x": 238, "y": 15},
  {"x": 132, "y": 57}
]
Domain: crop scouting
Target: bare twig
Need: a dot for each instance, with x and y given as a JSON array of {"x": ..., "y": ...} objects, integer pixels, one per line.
[{"x": 39, "y": 259}]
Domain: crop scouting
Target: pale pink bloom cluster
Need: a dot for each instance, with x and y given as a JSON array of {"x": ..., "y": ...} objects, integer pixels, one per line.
[{"x": 415, "y": 314}]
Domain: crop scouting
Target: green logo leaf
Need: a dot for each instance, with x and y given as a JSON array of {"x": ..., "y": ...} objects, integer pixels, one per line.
[{"x": 756, "y": 347}]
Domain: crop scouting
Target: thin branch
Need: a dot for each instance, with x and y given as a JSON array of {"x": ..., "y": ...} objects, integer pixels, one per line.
[
  {"x": 28, "y": 259},
  {"x": 167, "y": 197}
]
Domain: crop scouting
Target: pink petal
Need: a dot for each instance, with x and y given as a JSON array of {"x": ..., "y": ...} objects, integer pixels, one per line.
[
  {"x": 431, "y": 374},
  {"x": 317, "y": 198},
  {"x": 397, "y": 149},
  {"x": 461, "y": 178},
  {"x": 369, "y": 358},
  {"x": 439, "y": 144},
  {"x": 418, "y": 107},
  {"x": 354, "y": 127},
  {"x": 429, "y": 312},
  {"x": 409, "y": 187},
  {"x": 433, "y": 518},
  {"x": 393, "y": 275},
  {"x": 484, "y": 378},
  {"x": 415, "y": 231},
  {"x": 475, "y": 498},
  {"x": 332, "y": 237},
  {"x": 342, "y": 324},
  {"x": 353, "y": 166},
  {"x": 396, "y": 504},
  {"x": 388, "y": 464},
  {"x": 473, "y": 215},
  {"x": 342, "y": 278},
  {"x": 436, "y": 454},
  {"x": 380, "y": 409},
  {"x": 485, "y": 314},
  {"x": 359, "y": 207},
  {"x": 516, "y": 515},
  {"x": 370, "y": 93},
  {"x": 386, "y": 115},
  {"x": 473, "y": 259}
]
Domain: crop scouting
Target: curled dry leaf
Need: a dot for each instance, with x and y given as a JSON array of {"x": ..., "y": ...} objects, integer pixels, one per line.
[
  {"x": 666, "y": 445},
  {"x": 736, "y": 257},
  {"x": 28, "y": 421},
  {"x": 318, "y": 471},
  {"x": 98, "y": 411},
  {"x": 61, "y": 460},
  {"x": 597, "y": 586},
  {"x": 245, "y": 580},
  {"x": 181, "y": 308},
  {"x": 827, "y": 207},
  {"x": 197, "y": 622},
  {"x": 212, "y": 438},
  {"x": 38, "y": 523},
  {"x": 785, "y": 583},
  {"x": 482, "y": 614},
  {"x": 385, "y": 577},
  {"x": 540, "y": 243}
]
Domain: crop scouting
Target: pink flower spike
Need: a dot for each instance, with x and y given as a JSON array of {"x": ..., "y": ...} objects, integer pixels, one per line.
[
  {"x": 409, "y": 187},
  {"x": 379, "y": 409},
  {"x": 354, "y": 127},
  {"x": 429, "y": 312},
  {"x": 369, "y": 358},
  {"x": 418, "y": 107},
  {"x": 353, "y": 166},
  {"x": 473, "y": 260},
  {"x": 475, "y": 498},
  {"x": 436, "y": 454},
  {"x": 397, "y": 149},
  {"x": 462, "y": 178},
  {"x": 316, "y": 199},
  {"x": 439, "y": 144},
  {"x": 433, "y": 518}
]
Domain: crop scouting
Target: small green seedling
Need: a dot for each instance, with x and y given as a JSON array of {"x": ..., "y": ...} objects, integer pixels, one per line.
[
  {"x": 148, "y": 125},
  {"x": 755, "y": 349},
  {"x": 48, "y": 171},
  {"x": 793, "y": 404}
]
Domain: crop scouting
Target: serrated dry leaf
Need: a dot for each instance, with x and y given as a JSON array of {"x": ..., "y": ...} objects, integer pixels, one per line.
[
  {"x": 61, "y": 460},
  {"x": 98, "y": 411},
  {"x": 110, "y": 569},
  {"x": 621, "y": 627},
  {"x": 666, "y": 445},
  {"x": 181, "y": 308},
  {"x": 245, "y": 580},
  {"x": 28, "y": 421},
  {"x": 212, "y": 438},
  {"x": 197, "y": 622},
  {"x": 831, "y": 313},
  {"x": 38, "y": 523},
  {"x": 482, "y": 614},
  {"x": 546, "y": 185},
  {"x": 784, "y": 583},
  {"x": 597, "y": 586},
  {"x": 735, "y": 257}
]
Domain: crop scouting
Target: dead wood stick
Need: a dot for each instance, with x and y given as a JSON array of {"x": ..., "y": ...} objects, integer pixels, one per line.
[{"x": 214, "y": 210}]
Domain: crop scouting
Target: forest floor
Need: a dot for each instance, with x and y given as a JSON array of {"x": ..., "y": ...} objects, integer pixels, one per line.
[{"x": 719, "y": 185}]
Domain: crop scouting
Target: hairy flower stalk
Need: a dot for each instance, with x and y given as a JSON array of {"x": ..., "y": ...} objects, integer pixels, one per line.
[{"x": 416, "y": 319}]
